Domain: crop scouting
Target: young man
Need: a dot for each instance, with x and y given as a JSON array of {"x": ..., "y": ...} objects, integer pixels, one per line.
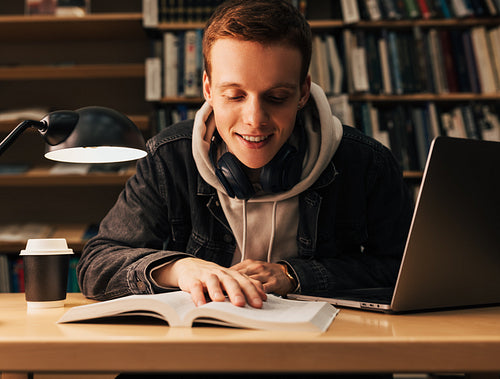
[{"x": 265, "y": 191}]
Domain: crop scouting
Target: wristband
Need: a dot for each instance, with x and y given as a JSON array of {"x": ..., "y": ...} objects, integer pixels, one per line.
[{"x": 292, "y": 279}]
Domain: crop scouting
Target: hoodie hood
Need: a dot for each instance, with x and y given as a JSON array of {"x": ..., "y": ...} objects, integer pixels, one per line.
[{"x": 271, "y": 218}]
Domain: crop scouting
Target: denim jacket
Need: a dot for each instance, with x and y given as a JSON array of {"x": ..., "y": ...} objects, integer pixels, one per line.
[{"x": 353, "y": 222}]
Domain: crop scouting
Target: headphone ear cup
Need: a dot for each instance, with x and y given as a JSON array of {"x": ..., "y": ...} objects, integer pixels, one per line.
[
  {"x": 283, "y": 171},
  {"x": 233, "y": 178}
]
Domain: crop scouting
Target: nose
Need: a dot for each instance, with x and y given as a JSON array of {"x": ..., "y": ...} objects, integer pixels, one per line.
[{"x": 255, "y": 112}]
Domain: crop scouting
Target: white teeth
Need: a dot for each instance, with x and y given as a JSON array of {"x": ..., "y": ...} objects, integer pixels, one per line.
[{"x": 254, "y": 139}]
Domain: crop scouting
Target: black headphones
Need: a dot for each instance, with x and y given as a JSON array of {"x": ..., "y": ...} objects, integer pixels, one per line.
[{"x": 279, "y": 175}]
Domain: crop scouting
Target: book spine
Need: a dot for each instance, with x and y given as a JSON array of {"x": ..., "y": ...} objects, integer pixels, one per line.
[
  {"x": 424, "y": 9},
  {"x": 412, "y": 9},
  {"x": 471, "y": 62},
  {"x": 384, "y": 64},
  {"x": 191, "y": 72},
  {"x": 373, "y": 63},
  {"x": 483, "y": 61},
  {"x": 337, "y": 71},
  {"x": 350, "y": 11},
  {"x": 395, "y": 66},
  {"x": 153, "y": 79},
  {"x": 321, "y": 63},
  {"x": 170, "y": 64},
  {"x": 460, "y": 9},
  {"x": 359, "y": 66},
  {"x": 448, "y": 61},
  {"x": 150, "y": 13},
  {"x": 373, "y": 9},
  {"x": 493, "y": 42}
]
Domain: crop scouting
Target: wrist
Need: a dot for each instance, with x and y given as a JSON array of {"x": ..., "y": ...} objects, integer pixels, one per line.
[{"x": 290, "y": 276}]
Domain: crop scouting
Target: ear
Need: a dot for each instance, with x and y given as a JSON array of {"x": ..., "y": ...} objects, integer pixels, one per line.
[
  {"x": 207, "y": 93},
  {"x": 305, "y": 91}
]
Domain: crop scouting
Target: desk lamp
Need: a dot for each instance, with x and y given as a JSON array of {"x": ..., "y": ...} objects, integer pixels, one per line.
[{"x": 87, "y": 135}]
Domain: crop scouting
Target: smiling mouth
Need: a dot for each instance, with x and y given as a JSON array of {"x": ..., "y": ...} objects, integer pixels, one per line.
[{"x": 254, "y": 138}]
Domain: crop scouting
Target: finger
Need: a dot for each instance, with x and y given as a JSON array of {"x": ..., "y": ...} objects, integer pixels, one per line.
[
  {"x": 233, "y": 290},
  {"x": 197, "y": 293},
  {"x": 253, "y": 291},
  {"x": 214, "y": 288}
]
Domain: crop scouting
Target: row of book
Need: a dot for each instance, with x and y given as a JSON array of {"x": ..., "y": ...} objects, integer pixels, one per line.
[
  {"x": 169, "y": 114},
  {"x": 408, "y": 61},
  {"x": 176, "y": 67},
  {"x": 350, "y": 11},
  {"x": 12, "y": 274},
  {"x": 353, "y": 11},
  {"x": 355, "y": 61},
  {"x": 165, "y": 11},
  {"x": 408, "y": 129}
]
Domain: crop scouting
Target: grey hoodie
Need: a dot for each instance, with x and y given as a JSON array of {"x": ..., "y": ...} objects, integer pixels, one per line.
[{"x": 265, "y": 226}]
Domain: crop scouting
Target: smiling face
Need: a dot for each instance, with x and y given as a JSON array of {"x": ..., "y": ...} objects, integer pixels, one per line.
[{"x": 255, "y": 92}]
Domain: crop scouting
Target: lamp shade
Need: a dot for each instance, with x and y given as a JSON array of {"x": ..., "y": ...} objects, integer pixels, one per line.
[{"x": 92, "y": 135}]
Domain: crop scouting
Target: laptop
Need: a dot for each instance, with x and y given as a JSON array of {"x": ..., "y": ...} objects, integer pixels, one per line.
[{"x": 452, "y": 254}]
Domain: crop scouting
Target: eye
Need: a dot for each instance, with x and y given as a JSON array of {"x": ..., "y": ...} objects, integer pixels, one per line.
[
  {"x": 234, "y": 98},
  {"x": 277, "y": 99}
]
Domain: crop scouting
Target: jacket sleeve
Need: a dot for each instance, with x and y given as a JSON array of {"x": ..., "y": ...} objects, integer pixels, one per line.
[
  {"x": 380, "y": 207},
  {"x": 117, "y": 261}
]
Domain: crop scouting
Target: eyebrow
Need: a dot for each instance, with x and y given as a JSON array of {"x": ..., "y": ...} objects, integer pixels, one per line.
[{"x": 225, "y": 85}]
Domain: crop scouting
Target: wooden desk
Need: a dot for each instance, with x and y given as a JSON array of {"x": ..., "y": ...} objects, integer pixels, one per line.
[{"x": 451, "y": 341}]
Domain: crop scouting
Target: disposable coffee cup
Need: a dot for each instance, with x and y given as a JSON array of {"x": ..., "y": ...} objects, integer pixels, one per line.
[{"x": 46, "y": 264}]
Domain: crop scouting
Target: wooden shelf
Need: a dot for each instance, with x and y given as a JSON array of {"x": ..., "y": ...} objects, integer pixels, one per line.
[
  {"x": 172, "y": 26},
  {"x": 89, "y": 71},
  {"x": 142, "y": 122},
  {"x": 413, "y": 175},
  {"x": 41, "y": 177},
  {"x": 337, "y": 24},
  {"x": 21, "y": 28},
  {"x": 406, "y": 24},
  {"x": 73, "y": 233},
  {"x": 449, "y": 97},
  {"x": 182, "y": 100}
]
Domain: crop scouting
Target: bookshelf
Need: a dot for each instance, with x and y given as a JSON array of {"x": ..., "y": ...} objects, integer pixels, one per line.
[
  {"x": 452, "y": 107},
  {"x": 65, "y": 62}
]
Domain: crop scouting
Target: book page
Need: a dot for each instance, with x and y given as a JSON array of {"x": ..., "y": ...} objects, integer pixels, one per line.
[
  {"x": 168, "y": 306},
  {"x": 276, "y": 314}
]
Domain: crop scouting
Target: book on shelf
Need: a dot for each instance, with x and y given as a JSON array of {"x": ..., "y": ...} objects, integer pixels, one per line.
[
  {"x": 373, "y": 9},
  {"x": 21, "y": 232},
  {"x": 156, "y": 12},
  {"x": 493, "y": 42},
  {"x": 5, "y": 285},
  {"x": 21, "y": 114},
  {"x": 65, "y": 8},
  {"x": 192, "y": 63},
  {"x": 321, "y": 70},
  {"x": 359, "y": 67},
  {"x": 13, "y": 168},
  {"x": 170, "y": 64},
  {"x": 153, "y": 83},
  {"x": 409, "y": 129},
  {"x": 335, "y": 64},
  {"x": 178, "y": 310},
  {"x": 150, "y": 13},
  {"x": 483, "y": 60},
  {"x": 350, "y": 11},
  {"x": 12, "y": 274}
]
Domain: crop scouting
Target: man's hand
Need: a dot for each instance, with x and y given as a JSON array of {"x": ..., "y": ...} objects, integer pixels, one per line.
[
  {"x": 271, "y": 275},
  {"x": 198, "y": 277}
]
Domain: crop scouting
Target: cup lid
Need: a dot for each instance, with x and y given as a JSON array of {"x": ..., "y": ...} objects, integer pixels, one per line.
[{"x": 46, "y": 246}]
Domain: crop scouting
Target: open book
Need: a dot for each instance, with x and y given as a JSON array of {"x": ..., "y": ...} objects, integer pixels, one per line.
[{"x": 178, "y": 310}]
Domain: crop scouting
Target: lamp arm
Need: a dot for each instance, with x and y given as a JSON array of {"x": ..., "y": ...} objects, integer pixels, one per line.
[{"x": 4, "y": 145}]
